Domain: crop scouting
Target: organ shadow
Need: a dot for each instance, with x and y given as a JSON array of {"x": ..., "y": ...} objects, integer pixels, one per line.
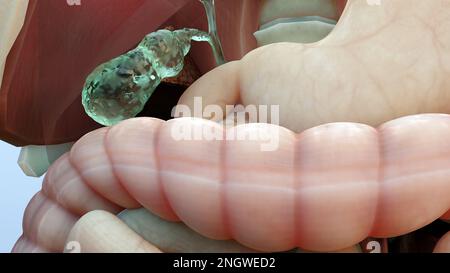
[
  {"x": 162, "y": 101},
  {"x": 422, "y": 240}
]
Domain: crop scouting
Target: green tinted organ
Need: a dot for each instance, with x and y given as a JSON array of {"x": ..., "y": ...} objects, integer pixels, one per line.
[{"x": 119, "y": 89}]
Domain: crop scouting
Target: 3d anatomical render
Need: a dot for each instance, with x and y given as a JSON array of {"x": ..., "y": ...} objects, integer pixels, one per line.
[{"x": 230, "y": 125}]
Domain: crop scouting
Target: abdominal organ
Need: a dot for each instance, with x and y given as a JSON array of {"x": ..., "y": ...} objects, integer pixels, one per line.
[
  {"x": 119, "y": 88},
  {"x": 324, "y": 189}
]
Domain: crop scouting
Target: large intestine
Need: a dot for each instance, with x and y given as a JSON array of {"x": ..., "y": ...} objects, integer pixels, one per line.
[{"x": 323, "y": 189}]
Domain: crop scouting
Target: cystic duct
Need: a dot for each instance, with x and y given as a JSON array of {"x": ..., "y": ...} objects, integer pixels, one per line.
[{"x": 119, "y": 88}]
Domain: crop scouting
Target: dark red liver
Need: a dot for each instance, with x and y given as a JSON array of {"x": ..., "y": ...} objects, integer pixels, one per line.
[{"x": 59, "y": 45}]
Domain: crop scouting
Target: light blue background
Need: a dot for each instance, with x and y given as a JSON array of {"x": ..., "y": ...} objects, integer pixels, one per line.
[{"x": 16, "y": 190}]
